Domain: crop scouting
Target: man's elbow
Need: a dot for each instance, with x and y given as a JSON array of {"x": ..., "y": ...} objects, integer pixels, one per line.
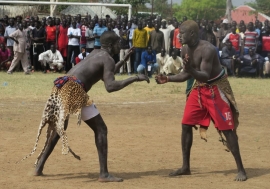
[{"x": 110, "y": 88}]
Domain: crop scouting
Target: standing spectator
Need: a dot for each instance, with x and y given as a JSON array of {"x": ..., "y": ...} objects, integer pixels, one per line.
[
  {"x": 149, "y": 28},
  {"x": 38, "y": 37},
  {"x": 265, "y": 38},
  {"x": 124, "y": 45},
  {"x": 27, "y": 33},
  {"x": 215, "y": 32},
  {"x": 166, "y": 32},
  {"x": 208, "y": 35},
  {"x": 130, "y": 31},
  {"x": 173, "y": 65},
  {"x": 235, "y": 39},
  {"x": 50, "y": 34},
  {"x": 229, "y": 57},
  {"x": 5, "y": 57},
  {"x": 172, "y": 37},
  {"x": 117, "y": 28},
  {"x": 62, "y": 39},
  {"x": 83, "y": 40},
  {"x": 90, "y": 37},
  {"x": 2, "y": 38},
  {"x": 148, "y": 63},
  {"x": 78, "y": 19},
  {"x": 161, "y": 60},
  {"x": 139, "y": 41},
  {"x": 19, "y": 50},
  {"x": 74, "y": 35},
  {"x": 171, "y": 25},
  {"x": 51, "y": 59},
  {"x": 176, "y": 43},
  {"x": 222, "y": 32},
  {"x": 98, "y": 30},
  {"x": 156, "y": 39},
  {"x": 10, "y": 29},
  {"x": 251, "y": 37}
]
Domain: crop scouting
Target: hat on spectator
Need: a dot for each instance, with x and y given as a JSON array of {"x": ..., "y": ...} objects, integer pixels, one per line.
[
  {"x": 225, "y": 21},
  {"x": 163, "y": 20}
]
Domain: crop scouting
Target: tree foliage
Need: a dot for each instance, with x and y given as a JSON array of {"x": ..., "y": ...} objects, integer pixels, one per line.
[
  {"x": 162, "y": 7},
  {"x": 207, "y": 9},
  {"x": 262, "y": 6}
]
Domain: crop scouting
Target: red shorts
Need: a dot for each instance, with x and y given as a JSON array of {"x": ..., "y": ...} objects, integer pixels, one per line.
[{"x": 216, "y": 108}]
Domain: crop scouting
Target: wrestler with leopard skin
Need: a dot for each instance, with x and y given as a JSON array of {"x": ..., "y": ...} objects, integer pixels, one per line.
[
  {"x": 99, "y": 65},
  {"x": 201, "y": 62}
]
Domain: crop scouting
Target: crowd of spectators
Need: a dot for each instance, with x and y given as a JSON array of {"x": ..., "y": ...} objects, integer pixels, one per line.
[{"x": 58, "y": 43}]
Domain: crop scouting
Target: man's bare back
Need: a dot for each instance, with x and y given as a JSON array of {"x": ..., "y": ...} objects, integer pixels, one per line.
[{"x": 92, "y": 68}]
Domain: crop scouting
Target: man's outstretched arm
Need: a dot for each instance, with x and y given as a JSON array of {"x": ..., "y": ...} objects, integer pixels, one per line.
[
  {"x": 181, "y": 77},
  {"x": 112, "y": 85}
]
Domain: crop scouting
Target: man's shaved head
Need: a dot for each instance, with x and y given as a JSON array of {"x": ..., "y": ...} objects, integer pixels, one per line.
[
  {"x": 108, "y": 37},
  {"x": 190, "y": 25}
]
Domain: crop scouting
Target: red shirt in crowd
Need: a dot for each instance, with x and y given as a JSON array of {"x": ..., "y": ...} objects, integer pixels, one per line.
[
  {"x": 51, "y": 33},
  {"x": 4, "y": 54},
  {"x": 176, "y": 42}
]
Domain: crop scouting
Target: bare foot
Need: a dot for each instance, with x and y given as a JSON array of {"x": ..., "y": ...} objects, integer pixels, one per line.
[
  {"x": 180, "y": 171},
  {"x": 241, "y": 176},
  {"x": 110, "y": 178},
  {"x": 37, "y": 173}
]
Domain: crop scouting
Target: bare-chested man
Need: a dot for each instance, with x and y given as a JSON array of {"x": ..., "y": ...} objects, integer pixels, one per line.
[
  {"x": 71, "y": 89},
  {"x": 209, "y": 98}
]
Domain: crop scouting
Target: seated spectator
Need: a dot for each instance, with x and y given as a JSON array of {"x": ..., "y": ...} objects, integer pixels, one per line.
[
  {"x": 5, "y": 57},
  {"x": 51, "y": 59},
  {"x": 267, "y": 65},
  {"x": 173, "y": 65},
  {"x": 251, "y": 64},
  {"x": 148, "y": 63},
  {"x": 81, "y": 56},
  {"x": 162, "y": 59},
  {"x": 229, "y": 58}
]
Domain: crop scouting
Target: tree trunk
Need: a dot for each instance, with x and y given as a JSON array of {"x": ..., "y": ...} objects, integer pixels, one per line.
[
  {"x": 53, "y": 8},
  {"x": 228, "y": 14}
]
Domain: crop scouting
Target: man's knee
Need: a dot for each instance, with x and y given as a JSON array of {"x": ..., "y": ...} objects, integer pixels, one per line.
[{"x": 187, "y": 128}]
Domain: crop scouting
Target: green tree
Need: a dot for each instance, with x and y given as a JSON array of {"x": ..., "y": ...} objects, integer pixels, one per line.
[
  {"x": 207, "y": 9},
  {"x": 262, "y": 6},
  {"x": 162, "y": 7},
  {"x": 136, "y": 5}
]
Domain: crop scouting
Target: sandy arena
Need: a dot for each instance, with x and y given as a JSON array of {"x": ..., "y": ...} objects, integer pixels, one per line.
[{"x": 144, "y": 124}]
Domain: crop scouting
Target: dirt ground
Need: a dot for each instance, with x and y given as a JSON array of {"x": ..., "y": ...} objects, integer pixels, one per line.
[{"x": 144, "y": 128}]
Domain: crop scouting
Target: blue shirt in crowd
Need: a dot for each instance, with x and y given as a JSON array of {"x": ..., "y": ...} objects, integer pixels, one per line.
[
  {"x": 98, "y": 31},
  {"x": 146, "y": 57}
]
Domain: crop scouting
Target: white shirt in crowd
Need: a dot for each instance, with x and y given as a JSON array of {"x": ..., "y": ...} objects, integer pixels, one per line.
[
  {"x": 75, "y": 32},
  {"x": 53, "y": 59},
  {"x": 173, "y": 66},
  {"x": 80, "y": 56},
  {"x": 161, "y": 61}
]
